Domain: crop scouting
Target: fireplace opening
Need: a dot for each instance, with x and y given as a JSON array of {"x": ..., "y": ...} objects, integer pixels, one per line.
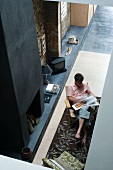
[{"x": 34, "y": 112}]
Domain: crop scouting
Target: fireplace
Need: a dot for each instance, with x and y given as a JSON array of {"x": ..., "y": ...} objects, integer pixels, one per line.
[
  {"x": 20, "y": 74},
  {"x": 34, "y": 112}
]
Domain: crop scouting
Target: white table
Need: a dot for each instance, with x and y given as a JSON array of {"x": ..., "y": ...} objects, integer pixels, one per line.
[{"x": 94, "y": 67}]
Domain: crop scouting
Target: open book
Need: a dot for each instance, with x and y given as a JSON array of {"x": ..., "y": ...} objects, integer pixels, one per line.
[{"x": 89, "y": 101}]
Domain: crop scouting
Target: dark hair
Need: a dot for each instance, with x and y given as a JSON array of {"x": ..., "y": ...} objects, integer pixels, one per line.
[{"x": 78, "y": 77}]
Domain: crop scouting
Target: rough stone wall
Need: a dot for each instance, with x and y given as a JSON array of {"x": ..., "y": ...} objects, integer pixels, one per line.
[
  {"x": 51, "y": 18},
  {"x": 39, "y": 16},
  {"x": 46, "y": 15},
  {"x": 65, "y": 24}
]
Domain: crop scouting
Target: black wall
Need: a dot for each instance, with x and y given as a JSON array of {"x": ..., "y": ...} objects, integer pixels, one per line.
[{"x": 20, "y": 70}]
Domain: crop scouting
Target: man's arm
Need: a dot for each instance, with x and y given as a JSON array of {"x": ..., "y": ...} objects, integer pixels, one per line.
[
  {"x": 89, "y": 91},
  {"x": 91, "y": 94},
  {"x": 69, "y": 94},
  {"x": 72, "y": 99}
]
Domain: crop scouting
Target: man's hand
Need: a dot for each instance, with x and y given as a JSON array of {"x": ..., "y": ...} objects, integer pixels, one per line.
[{"x": 90, "y": 93}]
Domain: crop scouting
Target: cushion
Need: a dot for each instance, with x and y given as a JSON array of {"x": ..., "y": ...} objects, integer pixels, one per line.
[
  {"x": 71, "y": 160},
  {"x": 64, "y": 164},
  {"x": 57, "y": 164},
  {"x": 51, "y": 164}
]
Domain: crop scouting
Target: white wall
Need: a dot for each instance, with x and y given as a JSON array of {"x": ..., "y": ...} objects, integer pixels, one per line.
[
  {"x": 95, "y": 2},
  {"x": 100, "y": 156}
]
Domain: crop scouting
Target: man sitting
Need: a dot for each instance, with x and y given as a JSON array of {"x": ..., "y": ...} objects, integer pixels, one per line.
[{"x": 75, "y": 93}]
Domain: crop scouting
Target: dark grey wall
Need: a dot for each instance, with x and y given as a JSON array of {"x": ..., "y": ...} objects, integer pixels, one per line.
[
  {"x": 8, "y": 106},
  {"x": 20, "y": 68}
]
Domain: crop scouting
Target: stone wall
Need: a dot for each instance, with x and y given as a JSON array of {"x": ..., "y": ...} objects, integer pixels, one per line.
[
  {"x": 51, "y": 19},
  {"x": 48, "y": 21},
  {"x": 39, "y": 16}
]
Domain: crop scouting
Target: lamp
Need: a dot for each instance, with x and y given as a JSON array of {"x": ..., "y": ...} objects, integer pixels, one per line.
[{"x": 46, "y": 71}]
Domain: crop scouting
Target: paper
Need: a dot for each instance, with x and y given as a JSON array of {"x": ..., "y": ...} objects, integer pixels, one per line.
[
  {"x": 89, "y": 101},
  {"x": 52, "y": 88},
  {"x": 49, "y": 87}
]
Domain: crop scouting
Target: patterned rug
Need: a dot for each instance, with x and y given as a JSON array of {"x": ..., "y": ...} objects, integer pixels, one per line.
[{"x": 64, "y": 140}]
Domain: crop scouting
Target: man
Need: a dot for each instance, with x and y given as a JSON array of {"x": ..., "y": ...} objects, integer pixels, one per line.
[{"x": 75, "y": 93}]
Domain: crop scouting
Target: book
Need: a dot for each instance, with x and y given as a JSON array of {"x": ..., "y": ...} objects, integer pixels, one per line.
[
  {"x": 89, "y": 101},
  {"x": 52, "y": 88}
]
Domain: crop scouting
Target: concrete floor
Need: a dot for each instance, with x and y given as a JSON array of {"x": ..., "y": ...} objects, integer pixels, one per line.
[{"x": 100, "y": 35}]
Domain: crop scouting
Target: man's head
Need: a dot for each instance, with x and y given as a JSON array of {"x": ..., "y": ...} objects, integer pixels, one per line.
[{"x": 78, "y": 79}]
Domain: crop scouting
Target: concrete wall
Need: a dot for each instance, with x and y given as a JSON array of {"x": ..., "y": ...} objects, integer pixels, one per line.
[
  {"x": 100, "y": 156},
  {"x": 20, "y": 70}
]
